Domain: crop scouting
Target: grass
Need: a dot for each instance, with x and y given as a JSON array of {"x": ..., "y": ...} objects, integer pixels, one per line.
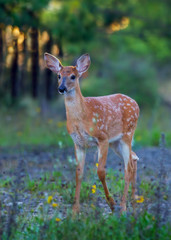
[
  {"x": 94, "y": 226},
  {"x": 54, "y": 183},
  {"x": 37, "y": 217},
  {"x": 34, "y": 129}
]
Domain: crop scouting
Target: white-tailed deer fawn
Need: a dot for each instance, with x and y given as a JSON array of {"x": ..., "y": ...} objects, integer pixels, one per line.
[{"x": 107, "y": 121}]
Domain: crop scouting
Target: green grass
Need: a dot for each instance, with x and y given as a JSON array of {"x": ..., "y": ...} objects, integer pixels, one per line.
[
  {"x": 7, "y": 182},
  {"x": 94, "y": 226},
  {"x": 145, "y": 137},
  {"x": 38, "y": 218},
  {"x": 28, "y": 125},
  {"x": 93, "y": 222},
  {"x": 151, "y": 124},
  {"x": 22, "y": 128},
  {"x": 54, "y": 182}
]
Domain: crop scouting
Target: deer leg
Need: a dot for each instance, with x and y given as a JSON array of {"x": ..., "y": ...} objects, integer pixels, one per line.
[
  {"x": 134, "y": 174},
  {"x": 80, "y": 159},
  {"x": 122, "y": 150},
  {"x": 125, "y": 151},
  {"x": 102, "y": 156}
]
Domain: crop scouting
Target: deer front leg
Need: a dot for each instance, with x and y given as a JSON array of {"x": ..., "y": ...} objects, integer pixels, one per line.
[
  {"x": 102, "y": 156},
  {"x": 80, "y": 159}
]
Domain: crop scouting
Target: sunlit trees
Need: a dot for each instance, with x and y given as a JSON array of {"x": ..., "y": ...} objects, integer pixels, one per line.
[
  {"x": 23, "y": 14},
  {"x": 128, "y": 40}
]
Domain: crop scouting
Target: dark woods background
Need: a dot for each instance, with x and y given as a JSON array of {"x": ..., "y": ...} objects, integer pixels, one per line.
[{"x": 129, "y": 43}]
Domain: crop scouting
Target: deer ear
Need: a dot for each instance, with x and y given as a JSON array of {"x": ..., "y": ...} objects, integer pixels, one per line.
[
  {"x": 83, "y": 63},
  {"x": 52, "y": 63}
]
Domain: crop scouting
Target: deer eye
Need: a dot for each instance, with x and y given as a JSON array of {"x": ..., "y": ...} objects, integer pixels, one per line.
[
  {"x": 59, "y": 76},
  {"x": 72, "y": 77}
]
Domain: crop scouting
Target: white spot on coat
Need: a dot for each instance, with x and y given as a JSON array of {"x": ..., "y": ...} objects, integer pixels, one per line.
[
  {"x": 129, "y": 133},
  {"x": 102, "y": 126}
]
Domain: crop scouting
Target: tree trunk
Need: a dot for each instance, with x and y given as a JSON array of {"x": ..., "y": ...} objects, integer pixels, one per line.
[
  {"x": 48, "y": 73},
  {"x": 23, "y": 73},
  {"x": 1, "y": 49},
  {"x": 14, "y": 72},
  {"x": 35, "y": 60}
]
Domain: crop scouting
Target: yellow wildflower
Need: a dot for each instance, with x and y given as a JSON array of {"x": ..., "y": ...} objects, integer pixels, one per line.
[
  {"x": 55, "y": 205},
  {"x": 97, "y": 165},
  {"x": 93, "y": 190},
  {"x": 58, "y": 219},
  {"x": 153, "y": 218},
  {"x": 49, "y": 200},
  {"x": 140, "y": 199}
]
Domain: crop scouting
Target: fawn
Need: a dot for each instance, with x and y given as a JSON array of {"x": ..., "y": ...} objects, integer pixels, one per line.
[{"x": 106, "y": 121}]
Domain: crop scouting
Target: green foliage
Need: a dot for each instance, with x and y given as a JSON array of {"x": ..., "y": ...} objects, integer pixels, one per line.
[
  {"x": 150, "y": 126},
  {"x": 6, "y": 183},
  {"x": 147, "y": 188},
  {"x": 127, "y": 61},
  {"x": 91, "y": 227},
  {"x": 40, "y": 219},
  {"x": 21, "y": 13}
]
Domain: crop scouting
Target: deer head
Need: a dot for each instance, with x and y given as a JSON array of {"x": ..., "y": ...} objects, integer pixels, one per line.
[{"x": 68, "y": 76}]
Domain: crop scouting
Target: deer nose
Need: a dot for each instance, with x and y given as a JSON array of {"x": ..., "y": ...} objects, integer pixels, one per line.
[{"x": 62, "y": 89}]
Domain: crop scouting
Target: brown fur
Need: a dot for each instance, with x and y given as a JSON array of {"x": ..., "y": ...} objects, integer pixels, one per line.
[{"x": 101, "y": 121}]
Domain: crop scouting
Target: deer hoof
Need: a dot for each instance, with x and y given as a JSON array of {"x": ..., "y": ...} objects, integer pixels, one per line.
[
  {"x": 76, "y": 209},
  {"x": 111, "y": 203},
  {"x": 123, "y": 207}
]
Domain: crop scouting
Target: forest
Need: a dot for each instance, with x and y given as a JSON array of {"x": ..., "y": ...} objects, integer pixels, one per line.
[{"x": 129, "y": 43}]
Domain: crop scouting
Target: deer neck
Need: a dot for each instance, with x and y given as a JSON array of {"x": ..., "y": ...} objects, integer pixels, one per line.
[{"x": 75, "y": 104}]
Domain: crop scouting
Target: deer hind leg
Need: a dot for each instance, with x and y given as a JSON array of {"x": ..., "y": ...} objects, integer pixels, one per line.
[
  {"x": 101, "y": 171},
  {"x": 80, "y": 159},
  {"x": 134, "y": 174},
  {"x": 123, "y": 150}
]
